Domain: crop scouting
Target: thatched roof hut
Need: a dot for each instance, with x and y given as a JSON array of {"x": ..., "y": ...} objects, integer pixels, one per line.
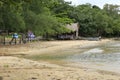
[{"x": 74, "y": 27}]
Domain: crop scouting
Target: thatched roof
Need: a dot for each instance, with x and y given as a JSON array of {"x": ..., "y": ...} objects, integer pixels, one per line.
[{"x": 73, "y": 26}]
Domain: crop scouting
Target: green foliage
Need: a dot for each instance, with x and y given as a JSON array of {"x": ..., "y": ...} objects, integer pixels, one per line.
[
  {"x": 47, "y": 24},
  {"x": 49, "y": 17},
  {"x": 35, "y": 15},
  {"x": 95, "y": 21},
  {"x": 11, "y": 19}
]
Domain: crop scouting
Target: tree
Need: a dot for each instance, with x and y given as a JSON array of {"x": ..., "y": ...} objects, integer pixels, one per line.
[
  {"x": 11, "y": 18},
  {"x": 40, "y": 19},
  {"x": 50, "y": 16},
  {"x": 61, "y": 10},
  {"x": 112, "y": 10},
  {"x": 116, "y": 27}
]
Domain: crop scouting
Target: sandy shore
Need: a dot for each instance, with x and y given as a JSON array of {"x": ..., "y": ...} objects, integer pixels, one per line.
[
  {"x": 46, "y": 47},
  {"x": 13, "y": 67}
]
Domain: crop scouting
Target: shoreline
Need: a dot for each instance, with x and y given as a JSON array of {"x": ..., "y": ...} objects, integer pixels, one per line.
[
  {"x": 17, "y": 68},
  {"x": 43, "y": 47}
]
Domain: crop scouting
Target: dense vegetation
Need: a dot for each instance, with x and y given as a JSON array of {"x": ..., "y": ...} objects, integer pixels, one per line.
[{"x": 50, "y": 17}]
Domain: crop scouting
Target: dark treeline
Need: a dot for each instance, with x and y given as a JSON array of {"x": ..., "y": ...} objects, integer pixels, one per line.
[{"x": 50, "y": 17}]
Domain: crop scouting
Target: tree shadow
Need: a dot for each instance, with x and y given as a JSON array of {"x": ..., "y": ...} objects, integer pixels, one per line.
[{"x": 1, "y": 78}]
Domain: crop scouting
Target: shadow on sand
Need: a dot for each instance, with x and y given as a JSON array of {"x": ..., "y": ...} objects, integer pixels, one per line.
[{"x": 1, "y": 78}]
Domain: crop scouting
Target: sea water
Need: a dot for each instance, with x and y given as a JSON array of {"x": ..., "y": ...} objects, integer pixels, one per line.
[{"x": 104, "y": 57}]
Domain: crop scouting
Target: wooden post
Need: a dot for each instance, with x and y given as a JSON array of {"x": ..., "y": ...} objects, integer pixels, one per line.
[{"x": 4, "y": 39}]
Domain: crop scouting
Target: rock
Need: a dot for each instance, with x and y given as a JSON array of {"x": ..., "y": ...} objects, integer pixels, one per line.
[
  {"x": 48, "y": 75},
  {"x": 33, "y": 78}
]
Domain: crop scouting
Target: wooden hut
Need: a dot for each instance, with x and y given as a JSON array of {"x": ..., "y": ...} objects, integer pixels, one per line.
[{"x": 74, "y": 28}]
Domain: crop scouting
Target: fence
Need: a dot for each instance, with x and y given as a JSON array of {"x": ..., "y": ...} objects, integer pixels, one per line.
[{"x": 6, "y": 39}]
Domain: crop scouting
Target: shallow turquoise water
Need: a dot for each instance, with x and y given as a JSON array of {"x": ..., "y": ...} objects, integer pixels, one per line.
[{"x": 103, "y": 57}]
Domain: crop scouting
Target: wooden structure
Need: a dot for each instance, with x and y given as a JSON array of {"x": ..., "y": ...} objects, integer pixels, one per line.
[
  {"x": 3, "y": 33},
  {"x": 5, "y": 40},
  {"x": 74, "y": 28}
]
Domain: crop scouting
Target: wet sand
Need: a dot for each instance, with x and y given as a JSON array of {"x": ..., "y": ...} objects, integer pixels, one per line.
[{"x": 14, "y": 67}]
